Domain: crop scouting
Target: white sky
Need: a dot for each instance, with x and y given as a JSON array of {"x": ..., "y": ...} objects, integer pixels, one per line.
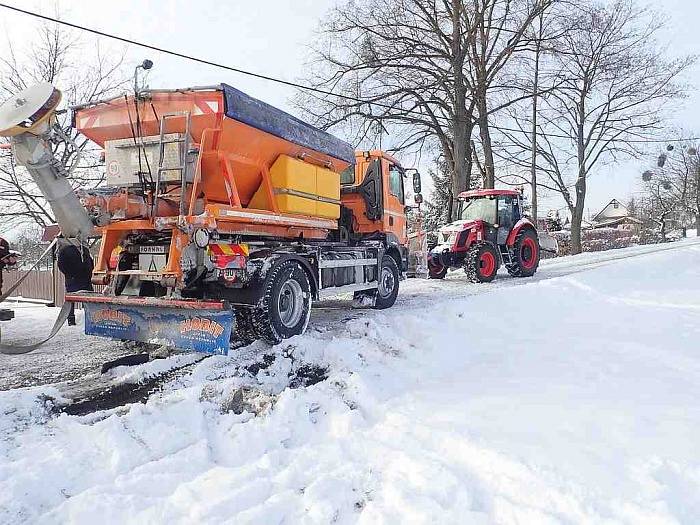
[{"x": 270, "y": 37}]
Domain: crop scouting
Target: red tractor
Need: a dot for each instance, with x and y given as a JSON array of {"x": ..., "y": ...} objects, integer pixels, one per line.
[{"x": 490, "y": 231}]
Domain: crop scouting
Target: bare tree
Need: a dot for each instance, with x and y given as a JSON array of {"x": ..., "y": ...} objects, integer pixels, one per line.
[
  {"x": 657, "y": 207},
  {"x": 674, "y": 184},
  {"x": 421, "y": 68},
  {"x": 615, "y": 85},
  {"x": 57, "y": 57},
  {"x": 500, "y": 30}
]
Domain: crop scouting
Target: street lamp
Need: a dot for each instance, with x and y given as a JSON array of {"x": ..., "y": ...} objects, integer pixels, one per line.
[{"x": 145, "y": 65}]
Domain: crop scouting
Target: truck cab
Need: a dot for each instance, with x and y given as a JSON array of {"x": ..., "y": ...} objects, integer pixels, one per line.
[{"x": 373, "y": 197}]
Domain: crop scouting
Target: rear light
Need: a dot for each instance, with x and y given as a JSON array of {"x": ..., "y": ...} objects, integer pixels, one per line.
[{"x": 113, "y": 263}]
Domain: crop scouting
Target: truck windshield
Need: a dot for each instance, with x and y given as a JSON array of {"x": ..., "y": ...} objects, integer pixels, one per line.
[{"x": 482, "y": 208}]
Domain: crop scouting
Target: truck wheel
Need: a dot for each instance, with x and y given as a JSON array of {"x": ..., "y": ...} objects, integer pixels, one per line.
[
  {"x": 436, "y": 270},
  {"x": 526, "y": 254},
  {"x": 245, "y": 325},
  {"x": 286, "y": 303},
  {"x": 481, "y": 263},
  {"x": 388, "y": 284}
]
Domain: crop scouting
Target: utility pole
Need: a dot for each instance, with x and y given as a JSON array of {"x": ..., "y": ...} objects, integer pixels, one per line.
[{"x": 535, "y": 90}]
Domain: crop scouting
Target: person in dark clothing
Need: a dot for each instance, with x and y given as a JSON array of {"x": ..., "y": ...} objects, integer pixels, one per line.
[
  {"x": 76, "y": 264},
  {"x": 4, "y": 258}
]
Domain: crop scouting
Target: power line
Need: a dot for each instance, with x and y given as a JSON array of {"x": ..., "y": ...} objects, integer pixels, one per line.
[
  {"x": 176, "y": 53},
  {"x": 287, "y": 82}
]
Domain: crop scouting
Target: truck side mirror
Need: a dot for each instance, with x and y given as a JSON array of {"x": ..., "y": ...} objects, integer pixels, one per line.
[{"x": 416, "y": 182}]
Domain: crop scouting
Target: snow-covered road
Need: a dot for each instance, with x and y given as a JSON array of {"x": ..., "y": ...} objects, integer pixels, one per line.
[{"x": 571, "y": 397}]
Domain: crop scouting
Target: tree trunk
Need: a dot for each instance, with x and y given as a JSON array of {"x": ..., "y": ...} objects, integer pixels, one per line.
[
  {"x": 577, "y": 216},
  {"x": 462, "y": 165},
  {"x": 535, "y": 89},
  {"x": 663, "y": 227},
  {"x": 461, "y": 123},
  {"x": 485, "y": 134}
]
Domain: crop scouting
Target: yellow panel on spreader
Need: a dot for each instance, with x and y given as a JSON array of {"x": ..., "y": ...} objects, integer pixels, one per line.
[{"x": 298, "y": 186}]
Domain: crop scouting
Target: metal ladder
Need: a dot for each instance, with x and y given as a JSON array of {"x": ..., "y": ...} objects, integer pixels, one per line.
[{"x": 184, "y": 142}]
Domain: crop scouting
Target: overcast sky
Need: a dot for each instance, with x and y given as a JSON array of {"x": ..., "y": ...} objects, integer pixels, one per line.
[{"x": 271, "y": 37}]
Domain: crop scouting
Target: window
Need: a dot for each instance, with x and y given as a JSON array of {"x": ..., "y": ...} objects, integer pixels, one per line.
[
  {"x": 347, "y": 176},
  {"x": 396, "y": 182},
  {"x": 616, "y": 204},
  {"x": 482, "y": 208},
  {"x": 505, "y": 211}
]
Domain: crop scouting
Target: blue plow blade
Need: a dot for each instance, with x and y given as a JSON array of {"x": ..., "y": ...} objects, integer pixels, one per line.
[{"x": 200, "y": 330}]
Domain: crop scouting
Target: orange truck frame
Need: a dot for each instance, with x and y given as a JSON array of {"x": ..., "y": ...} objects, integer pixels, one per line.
[{"x": 224, "y": 218}]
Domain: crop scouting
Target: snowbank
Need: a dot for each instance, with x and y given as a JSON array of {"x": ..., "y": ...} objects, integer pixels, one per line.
[{"x": 565, "y": 399}]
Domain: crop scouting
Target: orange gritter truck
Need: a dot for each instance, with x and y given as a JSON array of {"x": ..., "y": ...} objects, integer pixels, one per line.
[{"x": 222, "y": 218}]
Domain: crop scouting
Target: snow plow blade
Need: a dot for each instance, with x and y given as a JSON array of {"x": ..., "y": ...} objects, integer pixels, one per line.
[
  {"x": 548, "y": 242},
  {"x": 188, "y": 324}
]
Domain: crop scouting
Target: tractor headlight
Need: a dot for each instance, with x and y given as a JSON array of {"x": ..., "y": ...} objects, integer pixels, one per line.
[{"x": 201, "y": 238}]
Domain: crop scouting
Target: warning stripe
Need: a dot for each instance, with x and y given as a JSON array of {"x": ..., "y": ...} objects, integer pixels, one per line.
[
  {"x": 205, "y": 107},
  {"x": 229, "y": 249}
]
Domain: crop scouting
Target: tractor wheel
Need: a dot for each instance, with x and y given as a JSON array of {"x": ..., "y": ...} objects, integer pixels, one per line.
[
  {"x": 436, "y": 270},
  {"x": 481, "y": 263},
  {"x": 526, "y": 254},
  {"x": 286, "y": 304},
  {"x": 388, "y": 284}
]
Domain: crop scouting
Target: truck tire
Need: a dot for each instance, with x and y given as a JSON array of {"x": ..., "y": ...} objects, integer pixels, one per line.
[
  {"x": 526, "y": 254},
  {"x": 245, "y": 331},
  {"x": 388, "y": 284},
  {"x": 286, "y": 304},
  {"x": 481, "y": 263}
]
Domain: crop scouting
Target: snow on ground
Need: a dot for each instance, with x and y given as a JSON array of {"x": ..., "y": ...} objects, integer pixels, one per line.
[
  {"x": 70, "y": 355},
  {"x": 571, "y": 397}
]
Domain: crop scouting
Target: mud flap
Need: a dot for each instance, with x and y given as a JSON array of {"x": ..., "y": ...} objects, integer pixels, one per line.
[{"x": 199, "y": 329}]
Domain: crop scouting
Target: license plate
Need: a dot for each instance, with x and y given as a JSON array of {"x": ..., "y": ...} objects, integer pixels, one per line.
[{"x": 152, "y": 249}]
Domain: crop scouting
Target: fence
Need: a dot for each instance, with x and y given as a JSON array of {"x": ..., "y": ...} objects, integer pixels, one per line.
[{"x": 43, "y": 285}]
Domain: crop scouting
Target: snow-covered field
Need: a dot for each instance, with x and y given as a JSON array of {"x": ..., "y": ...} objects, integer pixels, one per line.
[{"x": 570, "y": 397}]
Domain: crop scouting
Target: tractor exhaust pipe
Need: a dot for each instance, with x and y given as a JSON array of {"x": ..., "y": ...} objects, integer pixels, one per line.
[{"x": 27, "y": 119}]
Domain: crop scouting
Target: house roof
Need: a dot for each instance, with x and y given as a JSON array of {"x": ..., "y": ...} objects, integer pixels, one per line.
[
  {"x": 613, "y": 210},
  {"x": 614, "y": 222}
]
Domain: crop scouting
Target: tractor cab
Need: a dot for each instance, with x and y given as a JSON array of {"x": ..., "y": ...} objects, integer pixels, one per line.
[
  {"x": 490, "y": 231},
  {"x": 498, "y": 209}
]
